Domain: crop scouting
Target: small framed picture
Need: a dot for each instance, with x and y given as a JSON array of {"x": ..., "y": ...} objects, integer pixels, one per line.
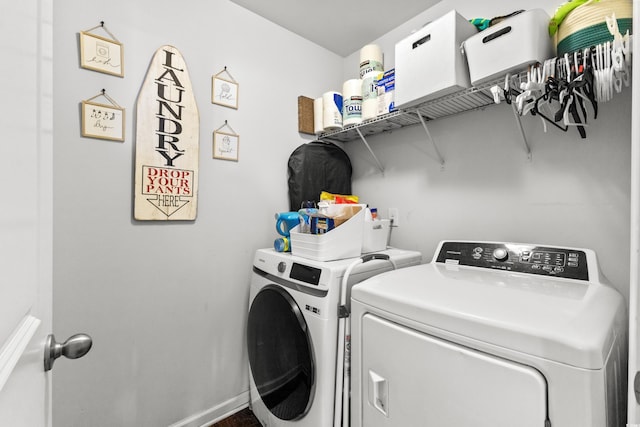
[
  {"x": 102, "y": 121},
  {"x": 101, "y": 54},
  {"x": 224, "y": 92},
  {"x": 225, "y": 146}
]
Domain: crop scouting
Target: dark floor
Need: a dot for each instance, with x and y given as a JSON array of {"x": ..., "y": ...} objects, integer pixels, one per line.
[{"x": 243, "y": 418}]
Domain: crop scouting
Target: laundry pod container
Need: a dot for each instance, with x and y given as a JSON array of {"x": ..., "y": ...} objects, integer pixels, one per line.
[
  {"x": 429, "y": 63},
  {"x": 509, "y": 46}
]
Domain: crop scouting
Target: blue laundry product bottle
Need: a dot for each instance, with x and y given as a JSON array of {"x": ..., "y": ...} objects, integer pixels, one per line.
[
  {"x": 305, "y": 220},
  {"x": 282, "y": 244},
  {"x": 308, "y": 211},
  {"x": 321, "y": 224},
  {"x": 285, "y": 221}
]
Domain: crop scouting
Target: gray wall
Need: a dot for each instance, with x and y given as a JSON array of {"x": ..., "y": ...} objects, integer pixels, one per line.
[
  {"x": 573, "y": 192},
  {"x": 166, "y": 302}
]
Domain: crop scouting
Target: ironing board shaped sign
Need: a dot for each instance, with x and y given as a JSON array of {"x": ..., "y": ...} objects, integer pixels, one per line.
[{"x": 167, "y": 141}]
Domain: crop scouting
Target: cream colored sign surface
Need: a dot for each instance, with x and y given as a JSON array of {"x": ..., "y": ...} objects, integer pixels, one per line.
[{"x": 167, "y": 141}]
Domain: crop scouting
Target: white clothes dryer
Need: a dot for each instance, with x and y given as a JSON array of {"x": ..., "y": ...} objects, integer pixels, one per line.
[
  {"x": 490, "y": 335},
  {"x": 292, "y": 332}
]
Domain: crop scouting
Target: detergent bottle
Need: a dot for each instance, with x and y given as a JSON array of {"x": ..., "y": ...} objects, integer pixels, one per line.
[
  {"x": 282, "y": 244},
  {"x": 285, "y": 221},
  {"x": 305, "y": 219}
]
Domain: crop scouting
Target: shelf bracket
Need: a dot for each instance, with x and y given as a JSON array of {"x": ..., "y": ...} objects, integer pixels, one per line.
[
  {"x": 370, "y": 150},
  {"x": 521, "y": 129},
  {"x": 435, "y": 147}
]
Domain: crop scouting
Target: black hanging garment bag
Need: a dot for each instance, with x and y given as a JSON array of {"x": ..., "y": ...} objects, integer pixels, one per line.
[{"x": 315, "y": 167}]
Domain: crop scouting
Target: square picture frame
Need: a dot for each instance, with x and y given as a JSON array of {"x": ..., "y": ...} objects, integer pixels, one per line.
[
  {"x": 103, "y": 121},
  {"x": 225, "y": 146},
  {"x": 224, "y": 92},
  {"x": 101, "y": 54}
]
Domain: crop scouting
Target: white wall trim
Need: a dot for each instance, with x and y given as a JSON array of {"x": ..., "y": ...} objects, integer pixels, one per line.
[
  {"x": 217, "y": 413},
  {"x": 15, "y": 345}
]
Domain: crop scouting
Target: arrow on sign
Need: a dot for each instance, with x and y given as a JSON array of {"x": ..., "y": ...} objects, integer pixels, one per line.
[{"x": 168, "y": 204}]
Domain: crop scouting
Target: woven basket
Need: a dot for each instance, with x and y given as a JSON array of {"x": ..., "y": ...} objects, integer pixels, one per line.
[{"x": 586, "y": 26}]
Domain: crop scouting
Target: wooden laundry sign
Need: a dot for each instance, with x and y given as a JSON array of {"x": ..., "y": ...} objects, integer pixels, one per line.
[{"x": 167, "y": 141}]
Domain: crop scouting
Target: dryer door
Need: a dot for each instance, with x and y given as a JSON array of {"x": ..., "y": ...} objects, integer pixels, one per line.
[
  {"x": 409, "y": 379},
  {"x": 280, "y": 353}
]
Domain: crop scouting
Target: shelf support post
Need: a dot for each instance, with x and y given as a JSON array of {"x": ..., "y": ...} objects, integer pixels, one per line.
[
  {"x": 370, "y": 150},
  {"x": 435, "y": 147},
  {"x": 521, "y": 129}
]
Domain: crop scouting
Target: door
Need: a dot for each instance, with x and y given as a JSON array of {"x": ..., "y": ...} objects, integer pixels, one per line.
[
  {"x": 26, "y": 214},
  {"x": 280, "y": 353},
  {"x": 633, "y": 412}
]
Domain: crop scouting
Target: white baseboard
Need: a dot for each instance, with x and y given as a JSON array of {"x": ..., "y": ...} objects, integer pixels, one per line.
[{"x": 217, "y": 413}]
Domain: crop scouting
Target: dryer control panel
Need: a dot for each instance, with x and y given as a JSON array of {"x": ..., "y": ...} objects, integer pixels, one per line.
[{"x": 517, "y": 257}]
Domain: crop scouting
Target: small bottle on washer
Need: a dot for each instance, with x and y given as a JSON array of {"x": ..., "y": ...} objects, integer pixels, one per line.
[{"x": 282, "y": 244}]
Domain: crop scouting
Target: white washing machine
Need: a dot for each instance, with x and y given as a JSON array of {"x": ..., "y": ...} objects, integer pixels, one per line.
[
  {"x": 292, "y": 333},
  {"x": 490, "y": 335}
]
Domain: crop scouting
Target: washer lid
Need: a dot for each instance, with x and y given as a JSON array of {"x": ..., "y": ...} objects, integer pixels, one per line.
[{"x": 568, "y": 321}]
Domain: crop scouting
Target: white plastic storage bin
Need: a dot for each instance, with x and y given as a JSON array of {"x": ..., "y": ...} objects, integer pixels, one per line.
[
  {"x": 376, "y": 235},
  {"x": 429, "y": 63},
  {"x": 344, "y": 241},
  {"x": 511, "y": 45}
]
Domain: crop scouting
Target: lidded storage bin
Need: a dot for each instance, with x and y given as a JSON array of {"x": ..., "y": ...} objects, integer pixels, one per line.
[
  {"x": 429, "y": 63},
  {"x": 509, "y": 46}
]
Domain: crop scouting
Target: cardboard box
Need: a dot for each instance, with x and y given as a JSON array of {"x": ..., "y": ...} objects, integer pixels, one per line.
[
  {"x": 385, "y": 86},
  {"x": 305, "y": 115}
]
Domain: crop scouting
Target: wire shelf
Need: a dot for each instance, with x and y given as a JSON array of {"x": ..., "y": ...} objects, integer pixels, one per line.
[
  {"x": 470, "y": 99},
  {"x": 384, "y": 123}
]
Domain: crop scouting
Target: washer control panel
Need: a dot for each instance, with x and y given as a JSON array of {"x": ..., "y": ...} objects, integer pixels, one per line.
[
  {"x": 305, "y": 273},
  {"x": 517, "y": 257}
]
